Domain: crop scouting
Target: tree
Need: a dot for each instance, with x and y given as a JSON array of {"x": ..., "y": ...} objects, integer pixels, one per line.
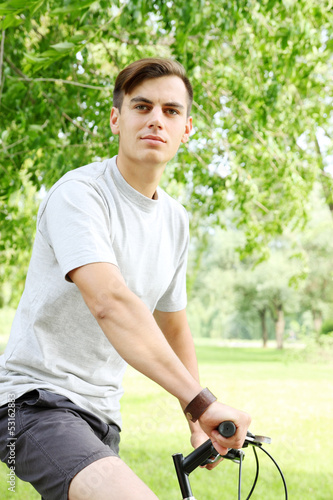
[
  {"x": 267, "y": 289},
  {"x": 16, "y": 249},
  {"x": 211, "y": 276},
  {"x": 317, "y": 245},
  {"x": 262, "y": 74},
  {"x": 250, "y": 298}
]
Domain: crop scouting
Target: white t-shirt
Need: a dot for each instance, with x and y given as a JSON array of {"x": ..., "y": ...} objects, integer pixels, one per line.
[{"x": 91, "y": 215}]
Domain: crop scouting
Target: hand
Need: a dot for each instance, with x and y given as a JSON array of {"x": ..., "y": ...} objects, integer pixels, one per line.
[
  {"x": 217, "y": 413},
  {"x": 198, "y": 437}
]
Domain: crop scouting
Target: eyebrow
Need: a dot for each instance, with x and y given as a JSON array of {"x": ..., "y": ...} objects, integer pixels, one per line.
[{"x": 172, "y": 104}]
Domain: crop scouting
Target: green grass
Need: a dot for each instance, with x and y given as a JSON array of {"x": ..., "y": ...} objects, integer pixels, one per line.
[{"x": 290, "y": 401}]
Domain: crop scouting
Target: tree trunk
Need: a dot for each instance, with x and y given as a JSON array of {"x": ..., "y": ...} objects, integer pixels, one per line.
[
  {"x": 279, "y": 327},
  {"x": 262, "y": 314},
  {"x": 317, "y": 321}
]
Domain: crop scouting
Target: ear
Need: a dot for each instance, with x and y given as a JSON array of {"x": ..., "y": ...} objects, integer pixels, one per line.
[
  {"x": 188, "y": 129},
  {"x": 114, "y": 120}
]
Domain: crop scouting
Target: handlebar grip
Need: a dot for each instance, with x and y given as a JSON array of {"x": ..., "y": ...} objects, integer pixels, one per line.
[{"x": 227, "y": 429}]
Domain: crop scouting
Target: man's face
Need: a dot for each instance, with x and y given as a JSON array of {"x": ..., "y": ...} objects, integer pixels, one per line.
[{"x": 153, "y": 121}]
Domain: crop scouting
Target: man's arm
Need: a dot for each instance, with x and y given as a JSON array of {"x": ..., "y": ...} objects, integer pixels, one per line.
[
  {"x": 133, "y": 332},
  {"x": 176, "y": 330},
  {"x": 130, "y": 327}
]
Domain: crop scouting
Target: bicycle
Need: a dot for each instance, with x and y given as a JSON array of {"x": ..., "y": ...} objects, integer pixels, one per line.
[{"x": 206, "y": 453}]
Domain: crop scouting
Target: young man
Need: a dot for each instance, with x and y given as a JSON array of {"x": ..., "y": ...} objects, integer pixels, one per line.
[{"x": 105, "y": 287}]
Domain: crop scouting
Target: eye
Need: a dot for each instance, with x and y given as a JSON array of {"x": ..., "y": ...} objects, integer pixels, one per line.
[
  {"x": 171, "y": 111},
  {"x": 141, "y": 107}
]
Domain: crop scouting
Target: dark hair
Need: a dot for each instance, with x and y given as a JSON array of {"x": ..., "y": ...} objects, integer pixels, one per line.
[{"x": 145, "y": 69}]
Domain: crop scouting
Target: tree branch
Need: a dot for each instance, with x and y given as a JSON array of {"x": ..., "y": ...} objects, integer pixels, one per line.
[
  {"x": 51, "y": 101},
  {"x": 108, "y": 51},
  {"x": 14, "y": 68},
  {"x": 326, "y": 174},
  {"x": 202, "y": 111},
  {"x": 14, "y": 143},
  {"x": 65, "y": 115},
  {"x": 66, "y": 82},
  {"x": 260, "y": 205}
]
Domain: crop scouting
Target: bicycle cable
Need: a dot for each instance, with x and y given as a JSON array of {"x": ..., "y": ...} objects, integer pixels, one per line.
[
  {"x": 256, "y": 476},
  {"x": 280, "y": 471},
  {"x": 257, "y": 473},
  {"x": 241, "y": 456},
  {"x": 240, "y": 475}
]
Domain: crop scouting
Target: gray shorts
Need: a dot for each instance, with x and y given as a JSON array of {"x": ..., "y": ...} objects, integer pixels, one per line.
[{"x": 51, "y": 440}]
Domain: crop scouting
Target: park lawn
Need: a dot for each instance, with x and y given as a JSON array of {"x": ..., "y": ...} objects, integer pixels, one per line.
[{"x": 290, "y": 401}]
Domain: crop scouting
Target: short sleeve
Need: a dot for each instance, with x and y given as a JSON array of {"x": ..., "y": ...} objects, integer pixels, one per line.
[
  {"x": 76, "y": 223},
  {"x": 175, "y": 297}
]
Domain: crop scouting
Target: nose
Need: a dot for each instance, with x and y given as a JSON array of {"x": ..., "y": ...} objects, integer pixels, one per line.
[{"x": 156, "y": 119}]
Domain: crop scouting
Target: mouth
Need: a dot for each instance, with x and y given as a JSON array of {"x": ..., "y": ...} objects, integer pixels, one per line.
[{"x": 153, "y": 138}]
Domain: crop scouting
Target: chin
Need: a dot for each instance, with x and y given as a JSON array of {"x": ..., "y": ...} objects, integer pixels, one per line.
[{"x": 154, "y": 157}]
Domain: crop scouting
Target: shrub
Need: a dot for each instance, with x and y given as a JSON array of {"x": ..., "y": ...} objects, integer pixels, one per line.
[{"x": 327, "y": 327}]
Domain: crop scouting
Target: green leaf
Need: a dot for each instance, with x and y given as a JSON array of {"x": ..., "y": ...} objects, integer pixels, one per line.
[
  {"x": 37, "y": 6},
  {"x": 78, "y": 38},
  {"x": 73, "y": 7},
  {"x": 18, "y": 6},
  {"x": 35, "y": 59},
  {"x": 270, "y": 4},
  {"x": 36, "y": 128},
  {"x": 11, "y": 6},
  {"x": 10, "y": 20},
  {"x": 329, "y": 45},
  {"x": 63, "y": 46}
]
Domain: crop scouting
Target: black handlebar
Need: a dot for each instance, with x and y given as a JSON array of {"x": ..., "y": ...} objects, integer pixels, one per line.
[
  {"x": 201, "y": 456},
  {"x": 227, "y": 429}
]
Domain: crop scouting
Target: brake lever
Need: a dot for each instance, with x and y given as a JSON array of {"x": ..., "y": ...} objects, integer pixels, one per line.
[
  {"x": 235, "y": 455},
  {"x": 255, "y": 440}
]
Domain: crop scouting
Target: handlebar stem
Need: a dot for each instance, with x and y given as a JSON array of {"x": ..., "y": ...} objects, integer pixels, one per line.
[{"x": 183, "y": 480}]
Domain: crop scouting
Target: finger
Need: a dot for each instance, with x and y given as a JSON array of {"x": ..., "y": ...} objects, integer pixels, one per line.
[
  {"x": 222, "y": 450},
  {"x": 235, "y": 441},
  {"x": 214, "y": 464}
]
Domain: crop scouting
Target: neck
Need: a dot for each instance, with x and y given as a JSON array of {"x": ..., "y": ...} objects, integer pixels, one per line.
[{"x": 143, "y": 178}]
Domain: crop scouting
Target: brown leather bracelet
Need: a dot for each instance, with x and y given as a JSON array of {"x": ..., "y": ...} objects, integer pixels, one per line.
[{"x": 199, "y": 405}]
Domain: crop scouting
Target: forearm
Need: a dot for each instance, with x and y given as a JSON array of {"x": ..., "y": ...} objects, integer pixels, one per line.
[
  {"x": 177, "y": 331},
  {"x": 178, "y": 334},
  {"x": 183, "y": 346},
  {"x": 141, "y": 343}
]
